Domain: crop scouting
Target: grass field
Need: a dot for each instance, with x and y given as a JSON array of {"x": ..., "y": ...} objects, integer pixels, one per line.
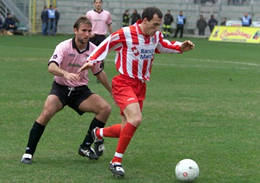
[{"x": 202, "y": 105}]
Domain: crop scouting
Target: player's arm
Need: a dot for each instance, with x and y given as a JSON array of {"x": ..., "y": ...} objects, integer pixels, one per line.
[
  {"x": 165, "y": 46},
  {"x": 112, "y": 42},
  {"x": 102, "y": 77},
  {"x": 57, "y": 71},
  {"x": 109, "y": 26}
]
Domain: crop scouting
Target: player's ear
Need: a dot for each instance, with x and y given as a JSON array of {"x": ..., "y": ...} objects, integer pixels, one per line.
[
  {"x": 75, "y": 30},
  {"x": 145, "y": 20}
]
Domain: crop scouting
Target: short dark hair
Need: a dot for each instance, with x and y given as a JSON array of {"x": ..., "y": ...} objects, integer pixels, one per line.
[
  {"x": 150, "y": 11},
  {"x": 95, "y": 1},
  {"x": 82, "y": 20}
]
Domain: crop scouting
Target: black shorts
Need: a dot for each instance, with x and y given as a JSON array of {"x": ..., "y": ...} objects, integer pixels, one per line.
[
  {"x": 71, "y": 96},
  {"x": 97, "y": 39}
]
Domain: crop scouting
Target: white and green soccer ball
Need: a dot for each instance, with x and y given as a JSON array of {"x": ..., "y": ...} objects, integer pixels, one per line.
[{"x": 187, "y": 170}]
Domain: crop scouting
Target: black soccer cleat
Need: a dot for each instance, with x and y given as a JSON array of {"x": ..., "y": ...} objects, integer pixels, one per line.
[
  {"x": 87, "y": 152},
  {"x": 99, "y": 147},
  {"x": 26, "y": 159},
  {"x": 117, "y": 169},
  {"x": 98, "y": 143}
]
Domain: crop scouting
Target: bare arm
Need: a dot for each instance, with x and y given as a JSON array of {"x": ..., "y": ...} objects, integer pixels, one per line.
[
  {"x": 57, "y": 71},
  {"x": 102, "y": 77},
  {"x": 110, "y": 28}
]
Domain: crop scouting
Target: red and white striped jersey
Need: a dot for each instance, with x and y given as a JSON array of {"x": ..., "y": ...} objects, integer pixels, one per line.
[{"x": 135, "y": 51}]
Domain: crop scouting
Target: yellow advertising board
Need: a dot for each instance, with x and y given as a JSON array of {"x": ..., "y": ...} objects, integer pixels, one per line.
[{"x": 236, "y": 34}]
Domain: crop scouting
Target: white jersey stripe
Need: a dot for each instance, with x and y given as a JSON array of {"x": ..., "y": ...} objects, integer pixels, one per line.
[{"x": 134, "y": 60}]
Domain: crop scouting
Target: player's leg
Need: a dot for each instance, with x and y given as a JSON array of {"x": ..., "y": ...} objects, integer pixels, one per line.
[
  {"x": 51, "y": 106},
  {"x": 133, "y": 118},
  {"x": 95, "y": 104},
  {"x": 181, "y": 29}
]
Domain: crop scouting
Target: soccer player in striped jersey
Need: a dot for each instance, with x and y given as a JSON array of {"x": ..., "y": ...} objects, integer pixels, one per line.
[
  {"x": 71, "y": 88},
  {"x": 135, "y": 46}
]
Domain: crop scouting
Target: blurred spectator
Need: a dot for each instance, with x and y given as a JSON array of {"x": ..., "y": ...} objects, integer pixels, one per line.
[
  {"x": 135, "y": 16},
  {"x": 51, "y": 21},
  {"x": 44, "y": 19},
  {"x": 1, "y": 24},
  {"x": 224, "y": 21},
  {"x": 212, "y": 22},
  {"x": 10, "y": 23},
  {"x": 204, "y": 1},
  {"x": 246, "y": 20},
  {"x": 168, "y": 19},
  {"x": 126, "y": 18},
  {"x": 181, "y": 20},
  {"x": 57, "y": 18},
  {"x": 201, "y": 25}
]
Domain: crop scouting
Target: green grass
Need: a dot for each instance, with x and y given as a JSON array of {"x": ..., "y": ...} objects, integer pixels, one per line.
[{"x": 202, "y": 105}]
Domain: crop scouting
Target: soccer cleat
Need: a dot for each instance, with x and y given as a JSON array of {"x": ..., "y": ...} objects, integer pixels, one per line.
[
  {"x": 117, "y": 169},
  {"x": 27, "y": 159},
  {"x": 98, "y": 143},
  {"x": 99, "y": 147},
  {"x": 87, "y": 152}
]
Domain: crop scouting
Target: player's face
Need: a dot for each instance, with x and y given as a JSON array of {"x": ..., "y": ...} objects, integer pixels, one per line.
[
  {"x": 83, "y": 33},
  {"x": 98, "y": 5},
  {"x": 150, "y": 27}
]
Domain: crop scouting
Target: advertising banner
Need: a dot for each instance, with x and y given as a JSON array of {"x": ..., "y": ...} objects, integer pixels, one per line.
[{"x": 235, "y": 34}]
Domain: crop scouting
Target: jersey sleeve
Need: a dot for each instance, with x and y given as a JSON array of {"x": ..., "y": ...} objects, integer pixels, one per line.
[
  {"x": 112, "y": 42},
  {"x": 109, "y": 19},
  {"x": 165, "y": 46},
  {"x": 88, "y": 15},
  {"x": 57, "y": 55}
]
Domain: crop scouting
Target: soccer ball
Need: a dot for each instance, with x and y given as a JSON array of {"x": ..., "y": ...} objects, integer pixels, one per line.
[{"x": 187, "y": 170}]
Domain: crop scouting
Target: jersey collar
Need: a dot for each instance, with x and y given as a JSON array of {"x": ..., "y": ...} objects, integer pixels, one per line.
[
  {"x": 75, "y": 46},
  {"x": 97, "y": 11}
]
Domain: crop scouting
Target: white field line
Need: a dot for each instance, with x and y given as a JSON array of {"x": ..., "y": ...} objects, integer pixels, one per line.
[{"x": 235, "y": 63}]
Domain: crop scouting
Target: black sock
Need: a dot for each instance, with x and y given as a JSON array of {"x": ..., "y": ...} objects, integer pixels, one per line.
[
  {"x": 34, "y": 137},
  {"x": 88, "y": 139}
]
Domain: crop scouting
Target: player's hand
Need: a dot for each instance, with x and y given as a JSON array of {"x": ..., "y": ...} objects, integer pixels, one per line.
[
  {"x": 71, "y": 76},
  {"x": 85, "y": 66},
  {"x": 187, "y": 45}
]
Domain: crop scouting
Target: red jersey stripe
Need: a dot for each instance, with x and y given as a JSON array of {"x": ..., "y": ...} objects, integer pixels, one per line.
[
  {"x": 144, "y": 70},
  {"x": 134, "y": 36}
]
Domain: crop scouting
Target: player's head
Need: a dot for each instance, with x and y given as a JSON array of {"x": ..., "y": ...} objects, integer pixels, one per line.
[
  {"x": 98, "y": 5},
  {"x": 82, "y": 29},
  {"x": 151, "y": 20}
]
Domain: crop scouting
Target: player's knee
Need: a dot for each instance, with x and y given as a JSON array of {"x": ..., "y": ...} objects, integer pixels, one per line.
[
  {"x": 46, "y": 115},
  {"x": 137, "y": 120},
  {"x": 105, "y": 109}
]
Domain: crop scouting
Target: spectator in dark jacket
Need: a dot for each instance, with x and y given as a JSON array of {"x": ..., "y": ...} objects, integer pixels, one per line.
[
  {"x": 135, "y": 16},
  {"x": 57, "y": 18},
  {"x": 224, "y": 22},
  {"x": 44, "y": 19},
  {"x": 10, "y": 24},
  {"x": 1, "y": 24},
  {"x": 201, "y": 25},
  {"x": 212, "y": 22},
  {"x": 126, "y": 18},
  {"x": 168, "y": 19}
]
